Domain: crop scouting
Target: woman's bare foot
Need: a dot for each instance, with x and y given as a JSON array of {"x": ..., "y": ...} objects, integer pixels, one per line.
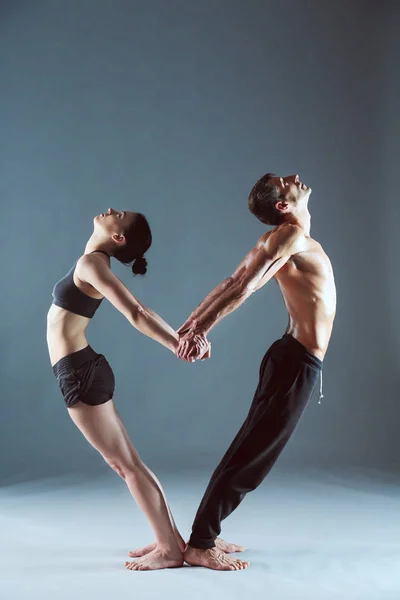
[
  {"x": 142, "y": 551},
  {"x": 147, "y": 549},
  {"x": 228, "y": 548},
  {"x": 156, "y": 559},
  {"x": 219, "y": 542},
  {"x": 213, "y": 558}
]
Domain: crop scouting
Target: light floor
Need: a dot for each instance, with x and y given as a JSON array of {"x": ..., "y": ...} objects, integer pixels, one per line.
[{"x": 310, "y": 535}]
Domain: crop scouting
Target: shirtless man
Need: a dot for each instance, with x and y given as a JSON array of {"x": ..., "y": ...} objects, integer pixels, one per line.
[{"x": 289, "y": 370}]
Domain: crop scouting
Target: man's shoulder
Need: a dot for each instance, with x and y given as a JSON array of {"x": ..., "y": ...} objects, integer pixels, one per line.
[
  {"x": 289, "y": 230},
  {"x": 286, "y": 234}
]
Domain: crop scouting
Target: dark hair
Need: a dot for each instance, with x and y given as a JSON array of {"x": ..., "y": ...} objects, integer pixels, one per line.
[
  {"x": 262, "y": 200},
  {"x": 138, "y": 241}
]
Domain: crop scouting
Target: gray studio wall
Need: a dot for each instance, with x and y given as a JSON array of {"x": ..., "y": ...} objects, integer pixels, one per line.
[
  {"x": 175, "y": 109},
  {"x": 389, "y": 241}
]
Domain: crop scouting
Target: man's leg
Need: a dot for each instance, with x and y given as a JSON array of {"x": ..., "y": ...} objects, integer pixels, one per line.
[
  {"x": 238, "y": 438},
  {"x": 281, "y": 397}
]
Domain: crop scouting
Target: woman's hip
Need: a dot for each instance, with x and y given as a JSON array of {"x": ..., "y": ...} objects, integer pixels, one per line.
[{"x": 84, "y": 376}]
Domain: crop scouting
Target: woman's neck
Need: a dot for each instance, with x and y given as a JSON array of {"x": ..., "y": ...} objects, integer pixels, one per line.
[{"x": 96, "y": 244}]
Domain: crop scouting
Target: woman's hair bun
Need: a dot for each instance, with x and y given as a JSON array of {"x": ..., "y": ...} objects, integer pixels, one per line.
[{"x": 139, "y": 266}]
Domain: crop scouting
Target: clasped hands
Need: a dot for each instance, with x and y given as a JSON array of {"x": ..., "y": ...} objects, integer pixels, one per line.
[{"x": 193, "y": 344}]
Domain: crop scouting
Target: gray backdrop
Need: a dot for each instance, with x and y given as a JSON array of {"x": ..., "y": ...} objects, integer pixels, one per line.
[{"x": 174, "y": 109}]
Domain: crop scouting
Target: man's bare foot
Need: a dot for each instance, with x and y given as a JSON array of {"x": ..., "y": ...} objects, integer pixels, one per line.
[
  {"x": 228, "y": 548},
  {"x": 213, "y": 558},
  {"x": 156, "y": 559}
]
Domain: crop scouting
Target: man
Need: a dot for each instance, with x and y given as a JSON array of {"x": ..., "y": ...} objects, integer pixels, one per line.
[{"x": 290, "y": 368}]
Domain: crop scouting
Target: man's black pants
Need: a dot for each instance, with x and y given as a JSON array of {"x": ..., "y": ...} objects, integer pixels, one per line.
[{"x": 288, "y": 374}]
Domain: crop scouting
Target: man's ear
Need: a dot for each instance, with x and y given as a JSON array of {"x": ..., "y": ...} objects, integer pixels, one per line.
[
  {"x": 118, "y": 238},
  {"x": 283, "y": 207}
]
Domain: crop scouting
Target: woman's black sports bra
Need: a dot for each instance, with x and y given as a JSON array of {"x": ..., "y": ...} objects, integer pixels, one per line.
[{"x": 67, "y": 295}]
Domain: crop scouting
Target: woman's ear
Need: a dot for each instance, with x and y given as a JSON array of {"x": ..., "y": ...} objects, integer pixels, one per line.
[{"x": 118, "y": 238}]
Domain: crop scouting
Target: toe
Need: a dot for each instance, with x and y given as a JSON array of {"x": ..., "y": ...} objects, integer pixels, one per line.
[{"x": 141, "y": 551}]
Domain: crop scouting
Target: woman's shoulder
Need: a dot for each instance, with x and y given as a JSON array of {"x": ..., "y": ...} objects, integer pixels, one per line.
[
  {"x": 90, "y": 262},
  {"x": 93, "y": 258}
]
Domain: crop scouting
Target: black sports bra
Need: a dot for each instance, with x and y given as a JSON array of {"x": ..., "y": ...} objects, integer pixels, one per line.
[{"x": 67, "y": 295}]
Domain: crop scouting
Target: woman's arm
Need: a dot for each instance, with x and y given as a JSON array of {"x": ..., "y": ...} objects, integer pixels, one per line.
[
  {"x": 94, "y": 271},
  {"x": 159, "y": 319}
]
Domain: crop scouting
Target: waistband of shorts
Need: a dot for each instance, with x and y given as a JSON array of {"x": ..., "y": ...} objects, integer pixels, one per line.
[
  {"x": 301, "y": 351},
  {"x": 74, "y": 360}
]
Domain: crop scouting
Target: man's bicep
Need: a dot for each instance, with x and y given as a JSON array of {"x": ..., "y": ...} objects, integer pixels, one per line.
[
  {"x": 263, "y": 267},
  {"x": 270, "y": 272},
  {"x": 270, "y": 257},
  {"x": 257, "y": 271}
]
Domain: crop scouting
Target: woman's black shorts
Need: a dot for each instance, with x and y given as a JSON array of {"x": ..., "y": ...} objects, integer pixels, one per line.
[{"x": 85, "y": 376}]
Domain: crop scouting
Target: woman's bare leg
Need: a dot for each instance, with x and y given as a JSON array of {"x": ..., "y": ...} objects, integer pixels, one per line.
[
  {"x": 104, "y": 430},
  {"x": 139, "y": 552},
  {"x": 181, "y": 543}
]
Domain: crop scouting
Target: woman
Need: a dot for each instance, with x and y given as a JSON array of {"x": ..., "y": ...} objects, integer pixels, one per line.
[{"x": 85, "y": 377}]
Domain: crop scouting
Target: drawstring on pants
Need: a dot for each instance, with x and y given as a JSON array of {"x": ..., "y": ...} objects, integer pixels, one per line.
[{"x": 320, "y": 388}]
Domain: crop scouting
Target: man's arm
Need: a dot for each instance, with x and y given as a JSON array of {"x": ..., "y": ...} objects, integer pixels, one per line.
[
  {"x": 215, "y": 293},
  {"x": 208, "y": 300},
  {"x": 260, "y": 266},
  {"x": 224, "y": 286},
  {"x": 267, "y": 259}
]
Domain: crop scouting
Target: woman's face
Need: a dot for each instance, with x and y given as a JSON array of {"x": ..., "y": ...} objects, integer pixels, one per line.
[{"x": 113, "y": 221}]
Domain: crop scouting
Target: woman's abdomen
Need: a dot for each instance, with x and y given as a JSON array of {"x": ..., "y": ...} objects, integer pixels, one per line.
[{"x": 66, "y": 333}]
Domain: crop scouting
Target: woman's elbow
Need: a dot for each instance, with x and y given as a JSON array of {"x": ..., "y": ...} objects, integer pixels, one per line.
[{"x": 136, "y": 315}]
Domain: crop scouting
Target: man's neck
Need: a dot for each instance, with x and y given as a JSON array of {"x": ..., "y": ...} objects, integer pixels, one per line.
[{"x": 303, "y": 220}]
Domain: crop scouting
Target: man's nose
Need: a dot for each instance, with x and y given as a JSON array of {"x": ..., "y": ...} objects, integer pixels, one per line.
[
  {"x": 109, "y": 211},
  {"x": 296, "y": 179}
]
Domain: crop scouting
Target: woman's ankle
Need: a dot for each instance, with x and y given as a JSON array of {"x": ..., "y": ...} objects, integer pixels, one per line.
[
  {"x": 180, "y": 541},
  {"x": 171, "y": 548}
]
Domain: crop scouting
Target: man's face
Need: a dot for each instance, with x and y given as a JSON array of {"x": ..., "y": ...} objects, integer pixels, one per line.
[{"x": 291, "y": 189}]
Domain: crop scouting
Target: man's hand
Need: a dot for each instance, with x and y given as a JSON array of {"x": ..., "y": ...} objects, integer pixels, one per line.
[
  {"x": 189, "y": 324},
  {"x": 193, "y": 346}
]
